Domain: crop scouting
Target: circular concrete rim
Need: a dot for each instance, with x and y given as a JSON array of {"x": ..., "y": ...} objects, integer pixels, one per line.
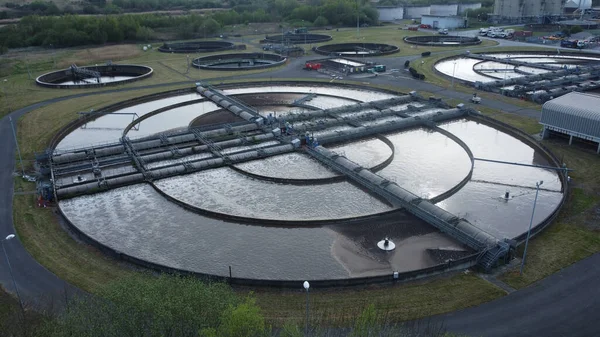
[
  {"x": 144, "y": 70},
  {"x": 337, "y": 49},
  {"x": 437, "y": 40},
  {"x": 307, "y": 38},
  {"x": 180, "y": 47},
  {"x": 273, "y": 60},
  {"x": 512, "y": 54},
  {"x": 361, "y": 281}
]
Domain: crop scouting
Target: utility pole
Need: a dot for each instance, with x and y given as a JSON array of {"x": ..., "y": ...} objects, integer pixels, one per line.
[
  {"x": 17, "y": 143},
  {"x": 357, "y": 20}
]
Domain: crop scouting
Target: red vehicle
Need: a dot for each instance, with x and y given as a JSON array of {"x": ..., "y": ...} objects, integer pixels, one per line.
[
  {"x": 425, "y": 26},
  {"x": 312, "y": 66}
]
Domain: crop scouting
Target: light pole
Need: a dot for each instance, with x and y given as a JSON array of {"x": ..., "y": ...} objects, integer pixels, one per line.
[
  {"x": 453, "y": 71},
  {"x": 10, "y": 237},
  {"x": 18, "y": 150},
  {"x": 357, "y": 20},
  {"x": 537, "y": 185},
  {"x": 306, "y": 286}
]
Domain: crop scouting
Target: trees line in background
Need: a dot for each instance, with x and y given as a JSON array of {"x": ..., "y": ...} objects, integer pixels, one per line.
[
  {"x": 167, "y": 305},
  {"x": 75, "y": 30},
  {"x": 39, "y": 7}
]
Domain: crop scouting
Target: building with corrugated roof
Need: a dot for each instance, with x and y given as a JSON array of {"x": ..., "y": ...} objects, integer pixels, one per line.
[{"x": 575, "y": 114}]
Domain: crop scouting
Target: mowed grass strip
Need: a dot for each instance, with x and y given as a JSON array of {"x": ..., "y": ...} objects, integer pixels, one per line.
[{"x": 398, "y": 302}]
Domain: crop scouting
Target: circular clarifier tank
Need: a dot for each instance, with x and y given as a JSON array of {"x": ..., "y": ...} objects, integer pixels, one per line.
[
  {"x": 254, "y": 218},
  {"x": 297, "y": 38},
  {"x": 196, "y": 47},
  {"x": 356, "y": 49},
  {"x": 94, "y": 76},
  {"x": 238, "y": 61},
  {"x": 443, "y": 40}
]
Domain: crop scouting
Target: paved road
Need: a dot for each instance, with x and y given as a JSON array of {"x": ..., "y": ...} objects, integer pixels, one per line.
[{"x": 564, "y": 304}]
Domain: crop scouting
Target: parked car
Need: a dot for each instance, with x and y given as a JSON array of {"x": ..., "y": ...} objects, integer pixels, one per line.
[
  {"x": 425, "y": 26},
  {"x": 443, "y": 31},
  {"x": 483, "y": 31},
  {"x": 496, "y": 34}
]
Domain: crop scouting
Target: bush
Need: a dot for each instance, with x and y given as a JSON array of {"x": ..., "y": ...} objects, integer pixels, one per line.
[{"x": 146, "y": 306}]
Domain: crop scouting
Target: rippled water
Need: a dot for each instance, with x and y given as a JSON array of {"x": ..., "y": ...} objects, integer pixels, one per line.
[
  {"x": 135, "y": 220},
  {"x": 225, "y": 191}
]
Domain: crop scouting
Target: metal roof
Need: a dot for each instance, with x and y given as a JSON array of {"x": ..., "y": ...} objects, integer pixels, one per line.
[{"x": 575, "y": 111}]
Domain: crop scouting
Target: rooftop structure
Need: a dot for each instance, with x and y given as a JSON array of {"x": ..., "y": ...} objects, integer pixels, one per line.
[
  {"x": 538, "y": 11},
  {"x": 575, "y": 114}
]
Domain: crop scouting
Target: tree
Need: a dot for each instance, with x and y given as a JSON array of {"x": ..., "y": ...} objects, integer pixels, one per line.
[
  {"x": 144, "y": 34},
  {"x": 321, "y": 21}
]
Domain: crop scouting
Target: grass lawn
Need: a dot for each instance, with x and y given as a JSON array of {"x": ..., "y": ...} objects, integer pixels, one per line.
[
  {"x": 15, "y": 66},
  {"x": 398, "y": 302}
]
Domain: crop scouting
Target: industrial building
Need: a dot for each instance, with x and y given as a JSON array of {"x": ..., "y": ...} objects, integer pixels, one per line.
[
  {"x": 390, "y": 13},
  {"x": 575, "y": 114},
  {"x": 441, "y": 22},
  {"x": 394, "y": 13},
  {"x": 416, "y": 12},
  {"x": 538, "y": 11},
  {"x": 444, "y": 10}
]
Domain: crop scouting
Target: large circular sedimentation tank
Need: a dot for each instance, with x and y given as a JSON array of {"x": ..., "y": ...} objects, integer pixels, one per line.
[
  {"x": 302, "y": 38},
  {"x": 356, "y": 49},
  {"x": 238, "y": 61},
  {"x": 94, "y": 76},
  {"x": 288, "y": 218},
  {"x": 442, "y": 40},
  {"x": 537, "y": 76},
  {"x": 196, "y": 47}
]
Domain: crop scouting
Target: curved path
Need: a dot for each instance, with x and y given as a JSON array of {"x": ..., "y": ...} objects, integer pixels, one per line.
[{"x": 563, "y": 304}]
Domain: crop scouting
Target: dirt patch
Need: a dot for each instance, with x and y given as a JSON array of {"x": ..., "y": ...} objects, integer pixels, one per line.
[{"x": 101, "y": 55}]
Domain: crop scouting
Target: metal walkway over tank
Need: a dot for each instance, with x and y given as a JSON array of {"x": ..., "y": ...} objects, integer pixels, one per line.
[
  {"x": 84, "y": 73},
  {"x": 509, "y": 61},
  {"x": 491, "y": 248}
]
